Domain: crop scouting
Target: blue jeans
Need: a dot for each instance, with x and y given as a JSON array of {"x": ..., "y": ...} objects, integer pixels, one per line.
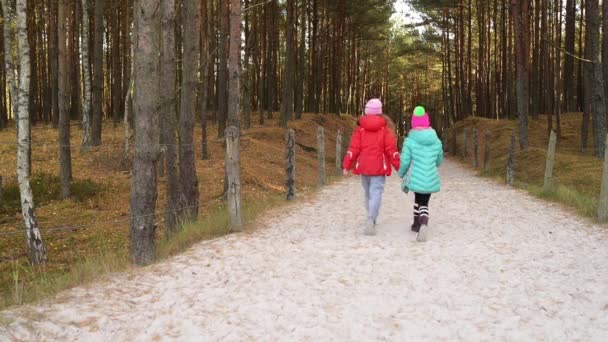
[{"x": 374, "y": 188}]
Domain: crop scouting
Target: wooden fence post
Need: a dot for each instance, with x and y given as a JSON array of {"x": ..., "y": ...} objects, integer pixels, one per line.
[
  {"x": 550, "y": 162},
  {"x": 511, "y": 162},
  {"x": 339, "y": 153},
  {"x": 0, "y": 190},
  {"x": 454, "y": 140},
  {"x": 321, "y": 153},
  {"x": 602, "y": 213},
  {"x": 465, "y": 144},
  {"x": 233, "y": 178},
  {"x": 486, "y": 155},
  {"x": 475, "y": 149},
  {"x": 290, "y": 163}
]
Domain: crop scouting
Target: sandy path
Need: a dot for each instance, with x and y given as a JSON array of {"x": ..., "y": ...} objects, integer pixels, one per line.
[{"x": 499, "y": 266}]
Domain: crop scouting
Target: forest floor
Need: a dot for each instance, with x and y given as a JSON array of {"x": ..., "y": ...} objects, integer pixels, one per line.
[
  {"x": 88, "y": 234},
  {"x": 499, "y": 265},
  {"x": 577, "y": 174}
]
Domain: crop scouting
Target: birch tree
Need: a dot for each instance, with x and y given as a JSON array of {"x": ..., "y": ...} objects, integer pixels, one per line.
[{"x": 33, "y": 237}]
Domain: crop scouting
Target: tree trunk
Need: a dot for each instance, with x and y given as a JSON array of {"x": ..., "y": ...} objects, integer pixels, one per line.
[
  {"x": 65, "y": 158},
  {"x": 224, "y": 12},
  {"x": 9, "y": 61},
  {"x": 52, "y": 61},
  {"x": 116, "y": 67},
  {"x": 191, "y": 49},
  {"x": 35, "y": 245},
  {"x": 98, "y": 79},
  {"x": 234, "y": 70},
  {"x": 147, "y": 116},
  {"x": 86, "y": 76},
  {"x": 247, "y": 74},
  {"x": 301, "y": 63},
  {"x": 206, "y": 59},
  {"x": 168, "y": 100},
  {"x": 288, "y": 86},
  {"x": 233, "y": 174},
  {"x": 595, "y": 81},
  {"x": 520, "y": 12},
  {"x": 601, "y": 129},
  {"x": 569, "y": 85}
]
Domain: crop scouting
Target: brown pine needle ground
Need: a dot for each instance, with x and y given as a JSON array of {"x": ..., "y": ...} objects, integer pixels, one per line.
[
  {"x": 576, "y": 174},
  {"x": 92, "y": 238}
]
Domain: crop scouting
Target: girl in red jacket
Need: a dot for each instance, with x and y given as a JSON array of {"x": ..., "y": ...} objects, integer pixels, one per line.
[{"x": 373, "y": 149}]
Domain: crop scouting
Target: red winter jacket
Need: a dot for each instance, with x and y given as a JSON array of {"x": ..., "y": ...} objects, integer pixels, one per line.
[{"x": 373, "y": 148}]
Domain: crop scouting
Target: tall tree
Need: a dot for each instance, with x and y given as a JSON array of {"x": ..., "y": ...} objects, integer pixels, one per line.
[
  {"x": 569, "y": 85},
  {"x": 33, "y": 237},
  {"x": 520, "y": 12},
  {"x": 301, "y": 73},
  {"x": 86, "y": 76},
  {"x": 168, "y": 100},
  {"x": 147, "y": 116},
  {"x": 65, "y": 158},
  {"x": 593, "y": 75},
  {"x": 98, "y": 74},
  {"x": 222, "y": 85},
  {"x": 191, "y": 50},
  {"x": 290, "y": 52},
  {"x": 206, "y": 58},
  {"x": 247, "y": 75},
  {"x": 233, "y": 132},
  {"x": 234, "y": 70},
  {"x": 53, "y": 61},
  {"x": 9, "y": 61},
  {"x": 116, "y": 93}
]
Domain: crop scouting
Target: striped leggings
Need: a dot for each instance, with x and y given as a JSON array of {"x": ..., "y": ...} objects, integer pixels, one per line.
[{"x": 421, "y": 204}]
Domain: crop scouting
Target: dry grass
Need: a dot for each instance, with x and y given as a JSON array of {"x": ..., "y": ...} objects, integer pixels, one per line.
[
  {"x": 98, "y": 213},
  {"x": 576, "y": 175}
]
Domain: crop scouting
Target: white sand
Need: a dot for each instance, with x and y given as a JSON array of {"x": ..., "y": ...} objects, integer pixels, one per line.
[{"x": 500, "y": 265}]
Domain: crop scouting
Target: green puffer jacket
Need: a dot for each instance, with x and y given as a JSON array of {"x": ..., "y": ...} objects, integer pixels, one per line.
[{"x": 423, "y": 153}]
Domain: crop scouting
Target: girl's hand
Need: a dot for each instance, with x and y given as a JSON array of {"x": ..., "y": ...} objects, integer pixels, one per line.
[{"x": 345, "y": 172}]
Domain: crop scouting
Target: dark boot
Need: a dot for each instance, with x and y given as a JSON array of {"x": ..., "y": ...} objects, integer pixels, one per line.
[
  {"x": 423, "y": 232},
  {"x": 416, "y": 225}
]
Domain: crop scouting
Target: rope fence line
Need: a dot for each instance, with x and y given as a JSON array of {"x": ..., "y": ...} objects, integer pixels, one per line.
[
  {"x": 56, "y": 144},
  {"x": 122, "y": 218},
  {"x": 580, "y": 150}
]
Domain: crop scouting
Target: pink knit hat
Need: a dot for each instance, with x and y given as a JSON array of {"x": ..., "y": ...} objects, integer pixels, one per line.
[
  {"x": 373, "y": 107},
  {"x": 420, "y": 119}
]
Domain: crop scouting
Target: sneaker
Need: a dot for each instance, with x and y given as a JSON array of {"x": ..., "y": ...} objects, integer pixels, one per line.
[
  {"x": 423, "y": 232},
  {"x": 370, "y": 228}
]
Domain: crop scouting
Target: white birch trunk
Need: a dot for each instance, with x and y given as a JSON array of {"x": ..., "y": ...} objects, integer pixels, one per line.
[
  {"x": 36, "y": 250},
  {"x": 86, "y": 72}
]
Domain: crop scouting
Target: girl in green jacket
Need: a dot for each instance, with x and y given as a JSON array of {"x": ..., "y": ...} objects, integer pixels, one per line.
[{"x": 421, "y": 156}]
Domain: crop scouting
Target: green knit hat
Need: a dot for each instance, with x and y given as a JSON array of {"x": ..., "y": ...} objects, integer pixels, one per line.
[{"x": 419, "y": 111}]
